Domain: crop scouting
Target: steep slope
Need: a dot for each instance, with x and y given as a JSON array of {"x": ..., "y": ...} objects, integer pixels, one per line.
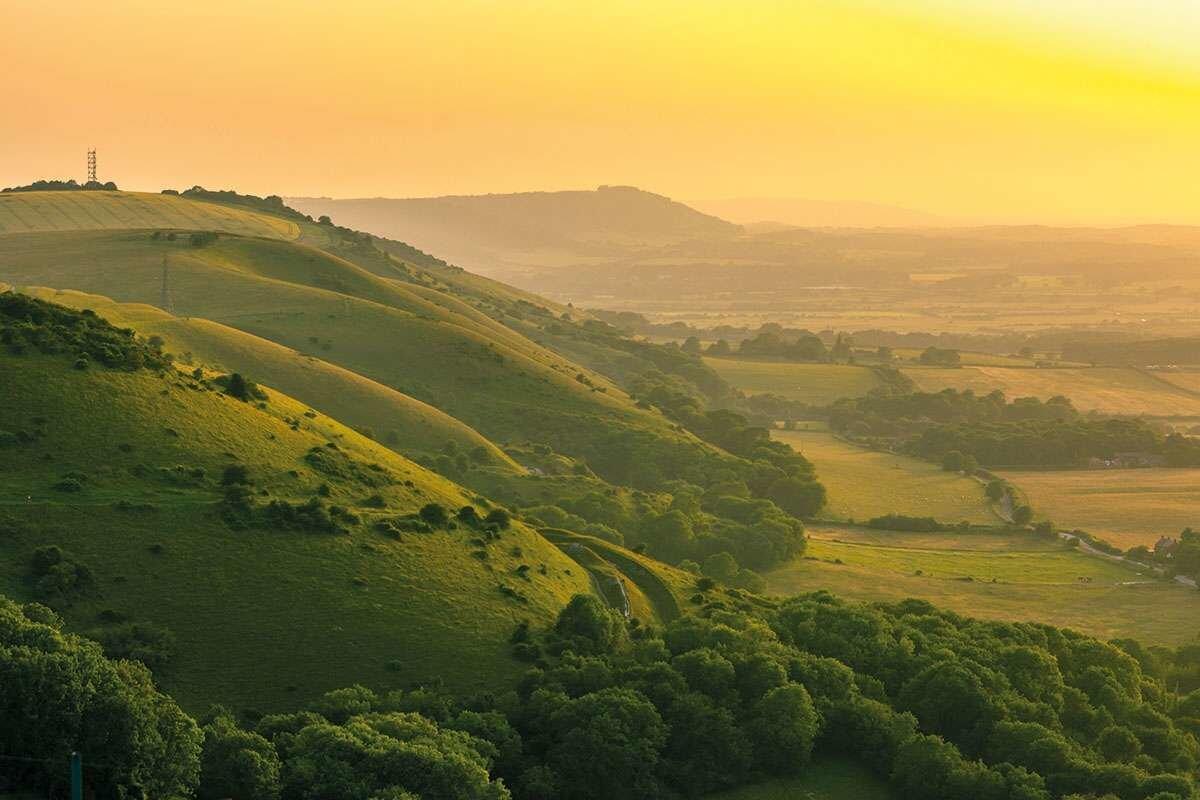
[
  {"x": 413, "y": 338},
  {"x": 272, "y": 594},
  {"x": 408, "y": 426}
]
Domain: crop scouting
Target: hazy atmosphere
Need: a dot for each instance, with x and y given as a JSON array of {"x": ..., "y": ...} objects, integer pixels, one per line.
[
  {"x": 981, "y": 110},
  {"x": 530, "y": 400}
]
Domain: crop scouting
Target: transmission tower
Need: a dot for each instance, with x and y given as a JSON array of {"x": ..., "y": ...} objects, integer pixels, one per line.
[
  {"x": 91, "y": 166},
  {"x": 164, "y": 300}
]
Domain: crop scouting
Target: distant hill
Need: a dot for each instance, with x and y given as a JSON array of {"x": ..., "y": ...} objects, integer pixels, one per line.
[
  {"x": 476, "y": 231},
  {"x": 818, "y": 213}
]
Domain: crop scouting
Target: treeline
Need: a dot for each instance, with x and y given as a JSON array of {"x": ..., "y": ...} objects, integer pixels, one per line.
[
  {"x": 996, "y": 432},
  {"x": 1045, "y": 341},
  {"x": 1139, "y": 353},
  {"x": 62, "y": 186},
  {"x": 940, "y": 706}
]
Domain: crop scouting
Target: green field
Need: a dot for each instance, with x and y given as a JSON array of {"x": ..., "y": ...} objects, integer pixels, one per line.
[
  {"x": 1035, "y": 581},
  {"x": 1126, "y": 507},
  {"x": 826, "y": 778},
  {"x": 291, "y": 613},
  {"x": 862, "y": 483},
  {"x": 1110, "y": 390},
  {"x": 25, "y": 212},
  {"x": 817, "y": 384}
]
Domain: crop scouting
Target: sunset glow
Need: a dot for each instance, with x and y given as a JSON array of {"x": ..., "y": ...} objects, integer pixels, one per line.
[{"x": 987, "y": 110}]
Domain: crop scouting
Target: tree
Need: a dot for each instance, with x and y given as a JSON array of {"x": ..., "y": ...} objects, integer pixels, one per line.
[
  {"x": 798, "y": 497},
  {"x": 237, "y": 763},
  {"x": 1022, "y": 515},
  {"x": 691, "y": 346},
  {"x": 719, "y": 348},
  {"x": 783, "y": 726},
  {"x": 238, "y": 387},
  {"x": 1118, "y": 744},
  {"x": 720, "y": 566},
  {"x": 435, "y": 514},
  {"x": 590, "y": 624},
  {"x": 606, "y": 746},
  {"x": 59, "y": 693}
]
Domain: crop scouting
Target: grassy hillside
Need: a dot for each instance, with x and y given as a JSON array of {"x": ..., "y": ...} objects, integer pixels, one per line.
[
  {"x": 124, "y": 469},
  {"x": 26, "y": 212},
  {"x": 1126, "y": 507},
  {"x": 1110, "y": 390},
  {"x": 862, "y": 483},
  {"x": 410, "y": 337},
  {"x": 817, "y": 384},
  {"x": 402, "y": 423},
  {"x": 1036, "y": 581}
]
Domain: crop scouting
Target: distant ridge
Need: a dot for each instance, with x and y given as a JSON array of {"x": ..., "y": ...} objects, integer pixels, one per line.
[
  {"x": 805, "y": 213},
  {"x": 470, "y": 229}
]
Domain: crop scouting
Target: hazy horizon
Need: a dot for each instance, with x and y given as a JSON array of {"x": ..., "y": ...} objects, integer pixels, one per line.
[{"x": 990, "y": 112}]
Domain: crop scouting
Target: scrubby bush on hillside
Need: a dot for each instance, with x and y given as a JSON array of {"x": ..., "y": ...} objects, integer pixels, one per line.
[
  {"x": 151, "y": 644},
  {"x": 26, "y": 323},
  {"x": 57, "y": 576}
]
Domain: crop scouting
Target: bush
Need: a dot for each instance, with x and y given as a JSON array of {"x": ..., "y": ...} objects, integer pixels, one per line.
[
  {"x": 235, "y": 475},
  {"x": 498, "y": 517},
  {"x": 434, "y": 514}
]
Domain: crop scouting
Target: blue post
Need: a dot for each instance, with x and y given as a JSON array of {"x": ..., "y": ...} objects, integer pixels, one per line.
[{"x": 76, "y": 776}]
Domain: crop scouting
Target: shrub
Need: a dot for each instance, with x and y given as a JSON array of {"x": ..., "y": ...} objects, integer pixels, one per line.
[
  {"x": 435, "y": 515},
  {"x": 498, "y": 517},
  {"x": 235, "y": 475}
]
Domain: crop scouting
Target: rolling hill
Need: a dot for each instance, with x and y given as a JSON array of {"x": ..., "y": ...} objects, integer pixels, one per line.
[
  {"x": 413, "y": 332},
  {"x": 128, "y": 471},
  {"x": 481, "y": 232}
]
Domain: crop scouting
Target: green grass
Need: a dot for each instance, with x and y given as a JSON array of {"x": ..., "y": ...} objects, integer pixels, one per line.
[
  {"x": 427, "y": 344},
  {"x": 29, "y": 212},
  {"x": 1015, "y": 558},
  {"x": 817, "y": 384},
  {"x": 264, "y": 618},
  {"x": 1126, "y": 507},
  {"x": 1036, "y": 581},
  {"x": 418, "y": 428},
  {"x": 826, "y": 778},
  {"x": 1111, "y": 390},
  {"x": 862, "y": 483}
]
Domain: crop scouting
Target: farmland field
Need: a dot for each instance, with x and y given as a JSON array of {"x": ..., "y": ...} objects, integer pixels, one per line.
[
  {"x": 826, "y": 778},
  {"x": 1036, "y": 581},
  {"x": 1111, "y": 390},
  {"x": 1126, "y": 507},
  {"x": 863, "y": 483},
  {"x": 27, "y": 212},
  {"x": 818, "y": 384}
]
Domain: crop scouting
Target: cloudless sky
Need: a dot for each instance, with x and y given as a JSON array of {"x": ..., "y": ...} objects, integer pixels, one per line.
[{"x": 1051, "y": 110}]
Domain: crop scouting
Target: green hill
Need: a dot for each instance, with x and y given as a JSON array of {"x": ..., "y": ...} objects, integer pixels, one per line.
[
  {"x": 271, "y": 595},
  {"x": 404, "y": 424},
  {"x": 405, "y": 335}
]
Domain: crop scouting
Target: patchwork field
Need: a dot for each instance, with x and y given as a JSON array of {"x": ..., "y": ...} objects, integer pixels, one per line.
[
  {"x": 826, "y": 778},
  {"x": 26, "y": 212},
  {"x": 1035, "y": 580},
  {"x": 1125, "y": 507},
  {"x": 818, "y": 384},
  {"x": 862, "y": 483},
  {"x": 1111, "y": 390}
]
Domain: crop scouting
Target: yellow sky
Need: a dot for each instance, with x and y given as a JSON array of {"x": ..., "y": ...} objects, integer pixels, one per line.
[{"x": 976, "y": 108}]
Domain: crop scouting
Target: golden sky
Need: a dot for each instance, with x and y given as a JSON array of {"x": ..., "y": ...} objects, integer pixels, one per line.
[{"x": 1088, "y": 111}]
